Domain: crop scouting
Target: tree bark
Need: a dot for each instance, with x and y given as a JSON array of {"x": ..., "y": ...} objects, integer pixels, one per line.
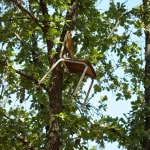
[{"x": 146, "y": 140}]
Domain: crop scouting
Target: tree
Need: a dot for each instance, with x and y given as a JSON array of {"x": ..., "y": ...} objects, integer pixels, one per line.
[{"x": 31, "y": 37}]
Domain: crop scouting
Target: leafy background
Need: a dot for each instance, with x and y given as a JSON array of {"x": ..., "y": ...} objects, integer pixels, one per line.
[{"x": 118, "y": 59}]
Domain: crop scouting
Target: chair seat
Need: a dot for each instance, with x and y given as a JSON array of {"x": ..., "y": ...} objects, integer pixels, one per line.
[{"x": 78, "y": 66}]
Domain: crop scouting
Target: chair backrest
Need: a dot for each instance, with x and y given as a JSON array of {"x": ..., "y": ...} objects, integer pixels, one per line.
[
  {"x": 67, "y": 46},
  {"x": 76, "y": 66}
]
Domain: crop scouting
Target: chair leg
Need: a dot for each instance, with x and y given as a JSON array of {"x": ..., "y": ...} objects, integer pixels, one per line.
[
  {"x": 78, "y": 85},
  {"x": 87, "y": 95},
  {"x": 50, "y": 70}
]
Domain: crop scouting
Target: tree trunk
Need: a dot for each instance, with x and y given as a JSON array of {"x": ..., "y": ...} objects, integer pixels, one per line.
[
  {"x": 146, "y": 141},
  {"x": 55, "y": 105}
]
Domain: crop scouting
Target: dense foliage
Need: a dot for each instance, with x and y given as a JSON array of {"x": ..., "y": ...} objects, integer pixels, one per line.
[{"x": 109, "y": 39}]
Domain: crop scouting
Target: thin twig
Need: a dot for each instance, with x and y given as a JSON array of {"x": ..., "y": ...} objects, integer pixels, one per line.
[
  {"x": 115, "y": 27},
  {"x": 18, "y": 37},
  {"x": 118, "y": 21}
]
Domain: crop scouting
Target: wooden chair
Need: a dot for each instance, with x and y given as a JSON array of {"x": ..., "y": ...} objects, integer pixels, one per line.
[{"x": 73, "y": 66}]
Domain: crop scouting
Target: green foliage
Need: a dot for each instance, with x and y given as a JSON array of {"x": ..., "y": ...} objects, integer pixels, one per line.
[{"x": 24, "y": 59}]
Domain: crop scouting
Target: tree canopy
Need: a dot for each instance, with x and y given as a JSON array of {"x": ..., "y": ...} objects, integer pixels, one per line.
[{"x": 47, "y": 116}]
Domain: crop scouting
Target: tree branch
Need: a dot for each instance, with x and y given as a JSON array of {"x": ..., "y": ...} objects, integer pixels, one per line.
[
  {"x": 25, "y": 142},
  {"x": 17, "y": 135},
  {"x": 118, "y": 21},
  {"x": 18, "y": 37},
  {"x": 108, "y": 130},
  {"x": 115, "y": 27},
  {"x": 4, "y": 63},
  {"x": 70, "y": 15},
  {"x": 18, "y": 4}
]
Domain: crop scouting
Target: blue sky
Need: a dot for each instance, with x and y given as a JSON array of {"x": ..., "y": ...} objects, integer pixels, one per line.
[{"x": 129, "y": 3}]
